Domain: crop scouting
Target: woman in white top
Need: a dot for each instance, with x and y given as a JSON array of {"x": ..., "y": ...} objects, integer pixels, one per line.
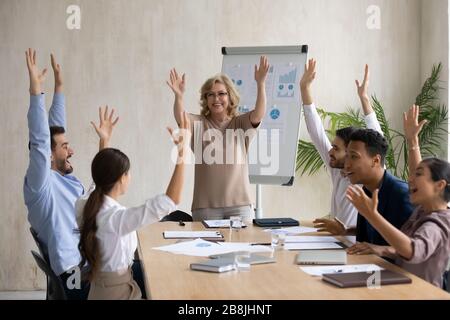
[{"x": 108, "y": 238}]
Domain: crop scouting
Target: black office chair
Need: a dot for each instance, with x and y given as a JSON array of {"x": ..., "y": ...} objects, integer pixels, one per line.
[
  {"x": 42, "y": 248},
  {"x": 55, "y": 289},
  {"x": 177, "y": 216},
  {"x": 446, "y": 285}
]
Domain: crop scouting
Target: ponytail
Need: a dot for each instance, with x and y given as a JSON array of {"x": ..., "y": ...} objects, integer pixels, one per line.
[{"x": 88, "y": 245}]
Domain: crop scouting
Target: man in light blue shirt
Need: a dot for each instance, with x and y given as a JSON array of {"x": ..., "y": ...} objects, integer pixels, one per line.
[{"x": 50, "y": 191}]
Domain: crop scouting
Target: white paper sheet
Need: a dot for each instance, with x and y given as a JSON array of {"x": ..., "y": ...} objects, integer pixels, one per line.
[
  {"x": 191, "y": 234},
  {"x": 292, "y": 230},
  {"x": 290, "y": 239},
  {"x": 225, "y": 223},
  {"x": 311, "y": 246},
  {"x": 320, "y": 270},
  {"x": 202, "y": 248}
]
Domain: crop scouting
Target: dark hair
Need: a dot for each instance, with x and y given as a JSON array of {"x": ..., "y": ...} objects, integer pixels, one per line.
[
  {"x": 107, "y": 168},
  {"x": 374, "y": 141},
  {"x": 54, "y": 130},
  {"x": 345, "y": 134},
  {"x": 440, "y": 170}
]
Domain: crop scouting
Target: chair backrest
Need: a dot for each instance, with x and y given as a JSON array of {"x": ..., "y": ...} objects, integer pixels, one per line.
[
  {"x": 177, "y": 216},
  {"x": 42, "y": 247},
  {"x": 55, "y": 288}
]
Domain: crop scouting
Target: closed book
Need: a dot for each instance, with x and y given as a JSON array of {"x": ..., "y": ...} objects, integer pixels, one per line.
[
  {"x": 361, "y": 279},
  {"x": 214, "y": 265},
  {"x": 275, "y": 222}
]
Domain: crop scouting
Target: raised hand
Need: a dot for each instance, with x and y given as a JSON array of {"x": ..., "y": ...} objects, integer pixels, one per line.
[
  {"x": 36, "y": 77},
  {"x": 106, "y": 126},
  {"x": 261, "y": 72},
  {"x": 309, "y": 75},
  {"x": 365, "y": 205},
  {"x": 362, "y": 88},
  {"x": 177, "y": 83},
  {"x": 57, "y": 73},
  {"x": 411, "y": 124}
]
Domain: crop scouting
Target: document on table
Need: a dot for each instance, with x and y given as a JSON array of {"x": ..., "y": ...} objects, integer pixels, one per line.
[
  {"x": 320, "y": 270},
  {"x": 292, "y": 230},
  {"x": 202, "y": 248},
  {"x": 191, "y": 234},
  {"x": 310, "y": 239},
  {"x": 223, "y": 223},
  {"x": 311, "y": 246}
]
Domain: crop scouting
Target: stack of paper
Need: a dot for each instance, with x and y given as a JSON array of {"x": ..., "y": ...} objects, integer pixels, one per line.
[
  {"x": 192, "y": 234},
  {"x": 224, "y": 223},
  {"x": 311, "y": 246},
  {"x": 319, "y": 270},
  {"x": 310, "y": 239},
  {"x": 292, "y": 230}
]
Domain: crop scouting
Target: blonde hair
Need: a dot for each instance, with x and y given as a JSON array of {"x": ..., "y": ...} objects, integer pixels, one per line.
[{"x": 232, "y": 94}]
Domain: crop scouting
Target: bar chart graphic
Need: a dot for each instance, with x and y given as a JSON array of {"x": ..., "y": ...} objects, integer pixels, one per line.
[{"x": 286, "y": 83}]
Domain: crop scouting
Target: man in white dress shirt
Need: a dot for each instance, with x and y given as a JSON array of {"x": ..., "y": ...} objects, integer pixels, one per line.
[{"x": 342, "y": 215}]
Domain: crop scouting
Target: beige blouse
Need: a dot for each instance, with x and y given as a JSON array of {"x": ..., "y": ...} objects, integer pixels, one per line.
[{"x": 221, "y": 164}]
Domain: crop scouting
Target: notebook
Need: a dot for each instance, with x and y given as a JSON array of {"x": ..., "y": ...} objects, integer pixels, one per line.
[
  {"x": 275, "y": 222},
  {"x": 321, "y": 257},
  {"x": 361, "y": 279},
  {"x": 214, "y": 265}
]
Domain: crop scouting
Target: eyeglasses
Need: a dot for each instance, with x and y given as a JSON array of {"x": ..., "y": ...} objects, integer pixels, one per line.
[{"x": 212, "y": 95}]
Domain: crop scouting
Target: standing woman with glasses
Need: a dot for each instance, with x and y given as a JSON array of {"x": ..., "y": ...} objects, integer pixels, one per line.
[{"x": 220, "y": 141}]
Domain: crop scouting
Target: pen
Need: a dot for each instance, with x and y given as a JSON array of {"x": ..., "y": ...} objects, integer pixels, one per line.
[{"x": 261, "y": 244}]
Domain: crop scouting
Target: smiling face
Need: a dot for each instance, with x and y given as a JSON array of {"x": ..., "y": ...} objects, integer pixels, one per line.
[
  {"x": 422, "y": 189},
  {"x": 337, "y": 153},
  {"x": 359, "y": 164},
  {"x": 61, "y": 154},
  {"x": 217, "y": 99}
]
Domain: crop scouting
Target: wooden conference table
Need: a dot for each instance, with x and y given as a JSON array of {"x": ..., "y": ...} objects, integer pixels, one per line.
[{"x": 168, "y": 276}]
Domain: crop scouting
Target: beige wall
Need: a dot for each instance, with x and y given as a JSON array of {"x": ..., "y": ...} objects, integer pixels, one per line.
[
  {"x": 434, "y": 45},
  {"x": 122, "y": 54}
]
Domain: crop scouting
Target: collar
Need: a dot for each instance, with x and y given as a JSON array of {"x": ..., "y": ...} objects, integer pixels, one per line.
[{"x": 380, "y": 186}]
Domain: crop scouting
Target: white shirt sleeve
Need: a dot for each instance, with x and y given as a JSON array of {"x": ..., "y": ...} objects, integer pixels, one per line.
[
  {"x": 372, "y": 122},
  {"x": 317, "y": 132},
  {"x": 127, "y": 220}
]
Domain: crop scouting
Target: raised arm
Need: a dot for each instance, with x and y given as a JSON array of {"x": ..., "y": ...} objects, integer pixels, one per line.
[
  {"x": 182, "y": 142},
  {"x": 362, "y": 92},
  {"x": 39, "y": 133},
  {"x": 369, "y": 114},
  {"x": 57, "y": 113},
  {"x": 178, "y": 86},
  {"x": 312, "y": 119},
  {"x": 105, "y": 128},
  {"x": 257, "y": 115},
  {"x": 412, "y": 128}
]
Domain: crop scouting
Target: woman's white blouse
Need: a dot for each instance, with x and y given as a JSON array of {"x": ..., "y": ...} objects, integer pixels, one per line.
[{"x": 117, "y": 225}]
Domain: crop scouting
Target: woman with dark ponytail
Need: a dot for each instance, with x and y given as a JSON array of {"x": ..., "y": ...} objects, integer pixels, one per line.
[
  {"x": 108, "y": 230},
  {"x": 422, "y": 246}
]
